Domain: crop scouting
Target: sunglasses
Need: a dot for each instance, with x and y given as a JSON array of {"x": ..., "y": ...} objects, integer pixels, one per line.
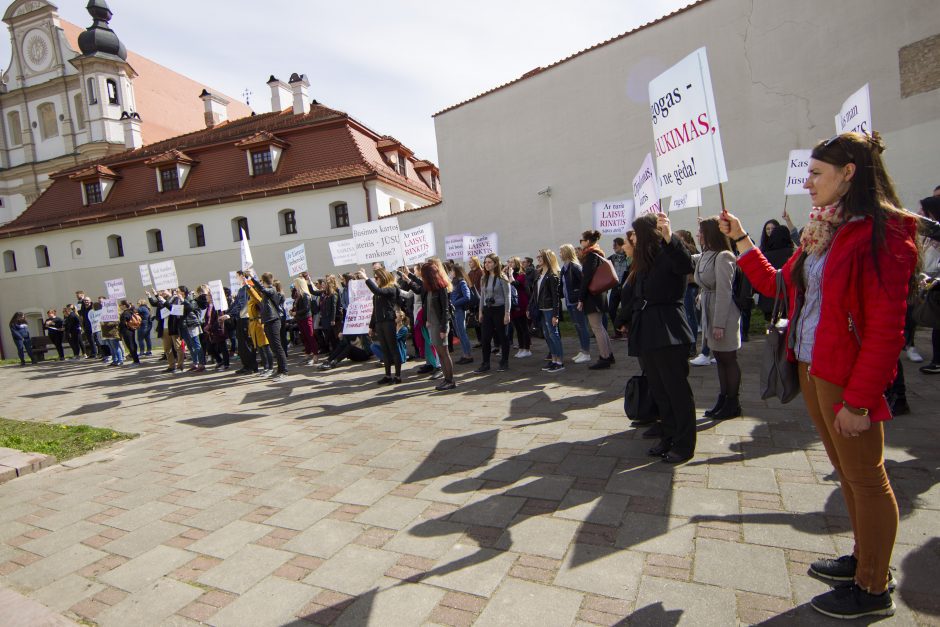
[{"x": 835, "y": 140}]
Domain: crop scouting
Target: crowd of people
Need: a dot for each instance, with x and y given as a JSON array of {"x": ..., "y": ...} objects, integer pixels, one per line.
[{"x": 851, "y": 274}]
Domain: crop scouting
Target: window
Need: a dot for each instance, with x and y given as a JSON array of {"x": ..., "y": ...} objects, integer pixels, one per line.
[
  {"x": 433, "y": 182},
  {"x": 340, "y": 215},
  {"x": 169, "y": 179},
  {"x": 42, "y": 257},
  {"x": 238, "y": 226},
  {"x": 48, "y": 124},
  {"x": 92, "y": 192},
  {"x": 197, "y": 236},
  {"x": 76, "y": 247},
  {"x": 288, "y": 222},
  {"x": 92, "y": 91},
  {"x": 402, "y": 164},
  {"x": 79, "y": 111},
  {"x": 394, "y": 205},
  {"x": 261, "y": 162},
  {"x": 16, "y": 128},
  {"x": 112, "y": 92},
  {"x": 9, "y": 261},
  {"x": 115, "y": 246},
  {"x": 155, "y": 241}
]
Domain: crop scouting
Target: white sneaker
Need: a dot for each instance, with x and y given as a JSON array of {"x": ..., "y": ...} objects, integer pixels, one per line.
[
  {"x": 700, "y": 360},
  {"x": 712, "y": 361},
  {"x": 913, "y": 355},
  {"x": 582, "y": 358},
  {"x": 524, "y": 353}
]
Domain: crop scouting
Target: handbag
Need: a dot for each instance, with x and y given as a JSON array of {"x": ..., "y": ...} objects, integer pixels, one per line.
[
  {"x": 604, "y": 278},
  {"x": 926, "y": 312},
  {"x": 638, "y": 403},
  {"x": 778, "y": 375}
]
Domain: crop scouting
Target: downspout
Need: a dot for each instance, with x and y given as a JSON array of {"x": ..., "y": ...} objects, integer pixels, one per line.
[{"x": 368, "y": 204}]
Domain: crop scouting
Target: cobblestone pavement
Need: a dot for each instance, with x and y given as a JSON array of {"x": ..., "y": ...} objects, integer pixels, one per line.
[{"x": 521, "y": 498}]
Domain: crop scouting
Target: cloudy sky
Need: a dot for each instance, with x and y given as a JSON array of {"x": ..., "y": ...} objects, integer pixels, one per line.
[{"x": 390, "y": 64}]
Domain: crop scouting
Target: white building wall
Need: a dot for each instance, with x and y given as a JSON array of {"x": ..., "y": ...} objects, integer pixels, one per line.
[{"x": 780, "y": 72}]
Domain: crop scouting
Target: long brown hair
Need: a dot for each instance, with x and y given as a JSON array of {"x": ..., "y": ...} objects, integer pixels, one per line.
[
  {"x": 688, "y": 240},
  {"x": 648, "y": 243},
  {"x": 383, "y": 277},
  {"x": 712, "y": 237},
  {"x": 434, "y": 277}
]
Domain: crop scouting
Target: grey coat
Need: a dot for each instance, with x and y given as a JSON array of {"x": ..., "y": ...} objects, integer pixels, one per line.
[{"x": 714, "y": 273}]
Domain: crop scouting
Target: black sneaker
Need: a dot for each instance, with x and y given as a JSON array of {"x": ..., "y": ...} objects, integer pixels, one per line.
[
  {"x": 654, "y": 432},
  {"x": 600, "y": 364},
  {"x": 384, "y": 380},
  {"x": 839, "y": 569},
  {"x": 853, "y": 602},
  {"x": 425, "y": 369},
  {"x": 483, "y": 368},
  {"x": 445, "y": 385},
  {"x": 549, "y": 366},
  {"x": 464, "y": 360},
  {"x": 930, "y": 368},
  {"x": 502, "y": 368}
]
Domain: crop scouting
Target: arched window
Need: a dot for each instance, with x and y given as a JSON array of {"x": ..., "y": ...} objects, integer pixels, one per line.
[
  {"x": 79, "y": 111},
  {"x": 9, "y": 261},
  {"x": 339, "y": 214},
  {"x": 48, "y": 124},
  {"x": 115, "y": 246},
  {"x": 112, "y": 91},
  {"x": 197, "y": 236},
  {"x": 288, "y": 222},
  {"x": 16, "y": 128},
  {"x": 239, "y": 225},
  {"x": 92, "y": 91},
  {"x": 155, "y": 241},
  {"x": 42, "y": 257}
]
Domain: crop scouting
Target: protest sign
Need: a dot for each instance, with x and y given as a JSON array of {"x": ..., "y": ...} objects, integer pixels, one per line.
[
  {"x": 797, "y": 174},
  {"x": 234, "y": 282},
  {"x": 145, "y": 275},
  {"x": 218, "y": 295},
  {"x": 115, "y": 288},
  {"x": 613, "y": 217},
  {"x": 109, "y": 311},
  {"x": 692, "y": 198},
  {"x": 453, "y": 246},
  {"x": 359, "y": 312},
  {"x": 855, "y": 115},
  {"x": 164, "y": 275},
  {"x": 685, "y": 127},
  {"x": 645, "y": 189},
  {"x": 247, "y": 262},
  {"x": 288, "y": 305},
  {"x": 176, "y": 310},
  {"x": 379, "y": 241},
  {"x": 343, "y": 252},
  {"x": 480, "y": 246},
  {"x": 164, "y": 313},
  {"x": 419, "y": 243},
  {"x": 296, "y": 259},
  {"x": 94, "y": 316}
]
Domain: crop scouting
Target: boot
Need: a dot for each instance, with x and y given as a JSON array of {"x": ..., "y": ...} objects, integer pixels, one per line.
[
  {"x": 718, "y": 404},
  {"x": 730, "y": 409}
]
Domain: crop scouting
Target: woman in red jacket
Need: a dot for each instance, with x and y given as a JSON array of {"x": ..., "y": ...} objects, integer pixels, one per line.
[{"x": 848, "y": 285}]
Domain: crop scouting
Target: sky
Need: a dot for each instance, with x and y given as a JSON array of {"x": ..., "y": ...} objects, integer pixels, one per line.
[{"x": 391, "y": 65}]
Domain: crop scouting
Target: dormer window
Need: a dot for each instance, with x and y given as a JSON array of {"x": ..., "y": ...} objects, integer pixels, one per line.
[
  {"x": 402, "y": 164},
  {"x": 428, "y": 173},
  {"x": 263, "y": 151},
  {"x": 97, "y": 182},
  {"x": 172, "y": 169},
  {"x": 169, "y": 179},
  {"x": 93, "y": 192}
]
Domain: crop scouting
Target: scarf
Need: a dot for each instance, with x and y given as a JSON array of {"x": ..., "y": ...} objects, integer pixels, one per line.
[
  {"x": 587, "y": 250},
  {"x": 822, "y": 225}
]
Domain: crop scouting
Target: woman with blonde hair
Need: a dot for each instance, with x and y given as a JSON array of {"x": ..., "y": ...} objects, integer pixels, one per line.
[
  {"x": 495, "y": 301},
  {"x": 571, "y": 291},
  {"x": 385, "y": 298},
  {"x": 548, "y": 297}
]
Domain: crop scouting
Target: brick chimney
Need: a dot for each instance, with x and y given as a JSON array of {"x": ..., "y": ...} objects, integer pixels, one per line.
[
  {"x": 300, "y": 86},
  {"x": 133, "y": 138},
  {"x": 216, "y": 108},
  {"x": 281, "y": 96}
]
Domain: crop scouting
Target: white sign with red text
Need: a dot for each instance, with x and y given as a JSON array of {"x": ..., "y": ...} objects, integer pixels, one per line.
[
  {"x": 419, "y": 243},
  {"x": 359, "y": 312},
  {"x": 480, "y": 246},
  {"x": 115, "y": 288},
  {"x": 613, "y": 217},
  {"x": 145, "y": 275},
  {"x": 343, "y": 252},
  {"x": 453, "y": 246},
  {"x": 296, "y": 259}
]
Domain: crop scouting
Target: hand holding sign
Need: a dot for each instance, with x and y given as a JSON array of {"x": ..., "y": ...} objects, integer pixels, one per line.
[{"x": 663, "y": 226}]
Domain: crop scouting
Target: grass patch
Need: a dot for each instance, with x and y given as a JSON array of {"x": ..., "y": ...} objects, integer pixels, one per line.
[{"x": 62, "y": 441}]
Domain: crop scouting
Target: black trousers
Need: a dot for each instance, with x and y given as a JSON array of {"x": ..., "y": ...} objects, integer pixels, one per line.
[
  {"x": 495, "y": 330},
  {"x": 130, "y": 340},
  {"x": 522, "y": 330},
  {"x": 57, "y": 341},
  {"x": 75, "y": 342},
  {"x": 667, "y": 372},
  {"x": 272, "y": 329},
  {"x": 246, "y": 352},
  {"x": 385, "y": 333}
]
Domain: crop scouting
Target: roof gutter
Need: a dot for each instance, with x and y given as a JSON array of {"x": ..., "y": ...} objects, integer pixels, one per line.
[{"x": 368, "y": 203}]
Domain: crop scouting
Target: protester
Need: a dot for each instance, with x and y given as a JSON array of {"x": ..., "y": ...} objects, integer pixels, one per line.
[
  {"x": 401, "y": 334},
  {"x": 216, "y": 334},
  {"x": 571, "y": 290},
  {"x": 190, "y": 329},
  {"x": 85, "y": 308},
  {"x": 256, "y": 334},
  {"x": 73, "y": 330},
  {"x": 460, "y": 298},
  {"x": 385, "y": 298},
  {"x": 548, "y": 297},
  {"x": 411, "y": 284},
  {"x": 303, "y": 303},
  {"x": 594, "y": 306},
  {"x": 329, "y": 311},
  {"x": 54, "y": 327},
  {"x": 857, "y": 255},
  {"x": 518, "y": 314},
  {"x": 128, "y": 324},
  {"x": 270, "y": 306},
  {"x": 691, "y": 293},
  {"x": 19, "y": 329},
  {"x": 495, "y": 301},
  {"x": 437, "y": 288},
  {"x": 777, "y": 247},
  {"x": 930, "y": 207},
  {"x": 144, "y": 342},
  {"x": 111, "y": 335},
  {"x": 247, "y": 350},
  {"x": 621, "y": 264}
]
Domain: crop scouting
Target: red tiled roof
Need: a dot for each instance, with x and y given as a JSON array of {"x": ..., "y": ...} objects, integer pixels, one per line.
[
  {"x": 94, "y": 171},
  {"x": 539, "y": 70},
  {"x": 262, "y": 138},
  {"x": 170, "y": 156},
  {"x": 327, "y": 148}
]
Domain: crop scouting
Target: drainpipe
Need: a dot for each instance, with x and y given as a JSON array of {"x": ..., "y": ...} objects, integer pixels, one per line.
[{"x": 368, "y": 204}]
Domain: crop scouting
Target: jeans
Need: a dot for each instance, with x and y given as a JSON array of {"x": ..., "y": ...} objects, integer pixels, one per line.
[
  {"x": 24, "y": 348},
  {"x": 117, "y": 352},
  {"x": 552, "y": 335},
  {"x": 460, "y": 326},
  {"x": 580, "y": 324},
  {"x": 195, "y": 346},
  {"x": 144, "y": 343}
]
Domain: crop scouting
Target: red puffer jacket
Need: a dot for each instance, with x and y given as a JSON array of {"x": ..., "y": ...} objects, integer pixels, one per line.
[{"x": 861, "y": 323}]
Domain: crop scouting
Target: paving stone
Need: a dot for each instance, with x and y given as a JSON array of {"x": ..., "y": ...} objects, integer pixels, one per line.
[
  {"x": 490, "y": 511},
  {"x": 392, "y": 604},
  {"x": 654, "y": 533},
  {"x": 640, "y": 483},
  {"x": 600, "y": 570},
  {"x": 19, "y": 611},
  {"x": 392, "y": 512},
  {"x": 226, "y": 541},
  {"x": 449, "y": 490},
  {"x": 471, "y": 569},
  {"x": 242, "y": 570},
  {"x": 703, "y": 502},
  {"x": 144, "y": 538},
  {"x": 160, "y": 600},
  {"x": 741, "y": 567},
  {"x": 742, "y": 478},
  {"x": 324, "y": 538},
  {"x": 550, "y": 487},
  {"x": 426, "y": 538},
  {"x": 301, "y": 514},
  {"x": 70, "y": 516},
  {"x": 539, "y": 535},
  {"x": 670, "y": 602},
  {"x": 602, "y": 509},
  {"x": 282, "y": 495},
  {"x": 140, "y": 516},
  {"x": 219, "y": 515},
  {"x": 62, "y": 539},
  {"x": 354, "y": 570},
  {"x": 804, "y": 532},
  {"x": 595, "y": 466},
  {"x": 143, "y": 570},
  {"x": 519, "y": 602},
  {"x": 810, "y": 498},
  {"x": 272, "y": 602},
  {"x": 63, "y": 593},
  {"x": 43, "y": 572},
  {"x": 365, "y": 492}
]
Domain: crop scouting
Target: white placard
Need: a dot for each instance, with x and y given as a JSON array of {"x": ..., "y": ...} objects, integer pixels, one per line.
[
  {"x": 797, "y": 174},
  {"x": 115, "y": 288},
  {"x": 176, "y": 310},
  {"x": 164, "y": 275},
  {"x": 234, "y": 282},
  {"x": 480, "y": 246},
  {"x": 145, "y": 275},
  {"x": 247, "y": 262},
  {"x": 613, "y": 217},
  {"x": 218, "y": 295},
  {"x": 343, "y": 252},
  {"x": 855, "y": 114},
  {"x": 296, "y": 259},
  {"x": 379, "y": 241},
  {"x": 685, "y": 127},
  {"x": 692, "y": 198},
  {"x": 419, "y": 244},
  {"x": 164, "y": 313},
  {"x": 109, "y": 311},
  {"x": 453, "y": 246},
  {"x": 359, "y": 312},
  {"x": 94, "y": 317},
  {"x": 645, "y": 189}
]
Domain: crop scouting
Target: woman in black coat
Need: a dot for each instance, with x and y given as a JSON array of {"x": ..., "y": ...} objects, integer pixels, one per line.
[
  {"x": 73, "y": 330},
  {"x": 777, "y": 248},
  {"x": 385, "y": 298},
  {"x": 653, "y": 316}
]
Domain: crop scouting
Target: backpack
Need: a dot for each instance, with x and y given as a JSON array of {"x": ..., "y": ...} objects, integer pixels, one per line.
[
  {"x": 474, "y": 304},
  {"x": 134, "y": 322},
  {"x": 513, "y": 297},
  {"x": 742, "y": 292}
]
